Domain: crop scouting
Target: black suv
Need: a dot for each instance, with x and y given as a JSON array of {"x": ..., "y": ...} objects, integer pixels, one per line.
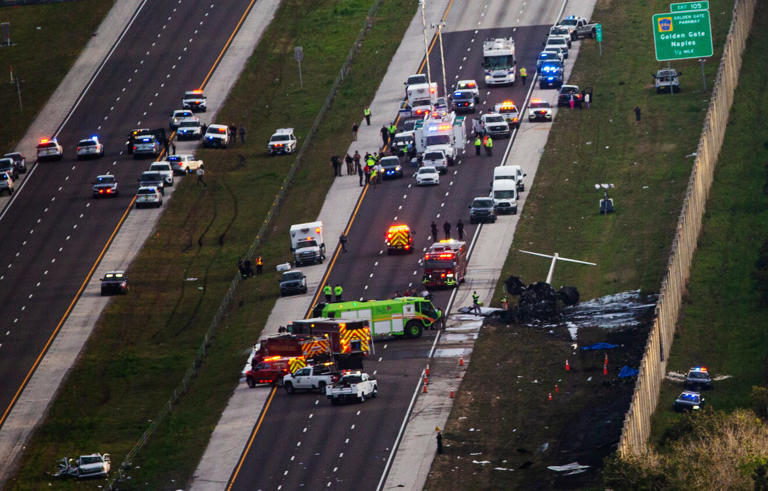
[
  {"x": 6, "y": 165},
  {"x": 482, "y": 210},
  {"x": 293, "y": 282},
  {"x": 114, "y": 283},
  {"x": 391, "y": 168},
  {"x": 153, "y": 179},
  {"x": 463, "y": 101}
]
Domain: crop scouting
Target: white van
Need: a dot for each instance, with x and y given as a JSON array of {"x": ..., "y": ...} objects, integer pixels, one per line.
[
  {"x": 511, "y": 172},
  {"x": 504, "y": 194}
]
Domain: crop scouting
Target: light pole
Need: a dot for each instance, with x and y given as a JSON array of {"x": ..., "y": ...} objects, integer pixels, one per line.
[
  {"x": 442, "y": 56},
  {"x": 426, "y": 47}
]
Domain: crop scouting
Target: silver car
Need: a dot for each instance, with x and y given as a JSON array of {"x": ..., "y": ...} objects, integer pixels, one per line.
[{"x": 6, "y": 183}]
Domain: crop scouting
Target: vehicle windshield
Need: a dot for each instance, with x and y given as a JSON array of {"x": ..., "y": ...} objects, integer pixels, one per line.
[
  {"x": 559, "y": 30},
  {"x": 280, "y": 138},
  {"x": 438, "y": 140},
  {"x": 498, "y": 62},
  {"x": 159, "y": 167},
  {"x": 292, "y": 275},
  {"x": 390, "y": 161},
  {"x": 192, "y": 95},
  {"x": 147, "y": 139},
  {"x": 86, "y": 143},
  {"x": 434, "y": 155},
  {"x": 403, "y": 139},
  {"x": 557, "y": 42},
  {"x": 351, "y": 379},
  {"x": 428, "y": 309},
  {"x": 183, "y": 114},
  {"x": 306, "y": 243},
  {"x": 189, "y": 124},
  {"x": 6, "y": 163},
  {"x": 47, "y": 145},
  {"x": 482, "y": 203},
  {"x": 566, "y": 89},
  {"x": 221, "y": 131},
  {"x": 151, "y": 176},
  {"x": 494, "y": 119},
  {"x": 462, "y": 96},
  {"x": 409, "y": 125},
  {"x": 427, "y": 170},
  {"x": 568, "y": 22},
  {"x": 146, "y": 191},
  {"x": 417, "y": 79},
  {"x": 439, "y": 263},
  {"x": 421, "y": 103},
  {"x": 105, "y": 180},
  {"x": 510, "y": 194}
]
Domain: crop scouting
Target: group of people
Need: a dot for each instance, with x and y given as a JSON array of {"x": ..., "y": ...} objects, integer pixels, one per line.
[
  {"x": 447, "y": 229},
  {"x": 331, "y": 292},
  {"x": 233, "y": 131},
  {"x": 246, "y": 267},
  {"x": 365, "y": 166},
  {"x": 483, "y": 141}
]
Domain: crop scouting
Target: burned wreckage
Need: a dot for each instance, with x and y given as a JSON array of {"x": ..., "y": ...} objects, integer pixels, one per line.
[{"x": 538, "y": 300}]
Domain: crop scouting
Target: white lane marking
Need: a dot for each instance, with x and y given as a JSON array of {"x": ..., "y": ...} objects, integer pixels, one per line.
[
  {"x": 37, "y": 284},
  {"x": 370, "y": 275},
  {"x": 341, "y": 454},
  {"x": 405, "y": 196},
  {"x": 304, "y": 430},
  {"x": 345, "y": 441},
  {"x": 30, "y": 296},
  {"x": 310, "y": 415},
  {"x": 385, "y": 346},
  {"x": 334, "y": 469},
  {"x": 23, "y": 307},
  {"x": 375, "y": 263},
  {"x": 374, "y": 372},
  {"x": 53, "y": 260},
  {"x": 45, "y": 272},
  {"x": 365, "y": 287},
  {"x": 380, "y": 358},
  {"x": 357, "y": 413},
  {"x": 298, "y": 444}
]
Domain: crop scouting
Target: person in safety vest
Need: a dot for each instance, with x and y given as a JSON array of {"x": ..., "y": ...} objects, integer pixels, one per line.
[
  {"x": 328, "y": 291},
  {"x": 367, "y": 114},
  {"x": 489, "y": 146},
  {"x": 338, "y": 290},
  {"x": 523, "y": 75},
  {"x": 476, "y": 302},
  {"x": 478, "y": 144},
  {"x": 259, "y": 264}
]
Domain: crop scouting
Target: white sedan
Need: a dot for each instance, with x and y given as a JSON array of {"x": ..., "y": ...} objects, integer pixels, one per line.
[
  {"x": 427, "y": 175},
  {"x": 148, "y": 196}
]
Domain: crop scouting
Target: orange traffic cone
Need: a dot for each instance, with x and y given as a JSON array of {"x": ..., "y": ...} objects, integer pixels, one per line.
[
  {"x": 426, "y": 380},
  {"x": 567, "y": 366},
  {"x": 461, "y": 361},
  {"x": 605, "y": 369},
  {"x": 549, "y": 396},
  {"x": 427, "y": 370},
  {"x": 557, "y": 389},
  {"x": 452, "y": 394},
  {"x": 424, "y": 390}
]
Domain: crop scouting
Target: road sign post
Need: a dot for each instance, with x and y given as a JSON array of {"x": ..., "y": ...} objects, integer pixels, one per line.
[
  {"x": 298, "y": 55},
  {"x": 682, "y": 35},
  {"x": 599, "y": 37}
]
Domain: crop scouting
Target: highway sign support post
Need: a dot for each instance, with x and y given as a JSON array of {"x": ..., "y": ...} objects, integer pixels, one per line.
[
  {"x": 682, "y": 35},
  {"x": 703, "y": 77},
  {"x": 599, "y": 37},
  {"x": 298, "y": 55}
]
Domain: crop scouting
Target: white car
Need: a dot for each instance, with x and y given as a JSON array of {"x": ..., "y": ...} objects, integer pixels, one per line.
[
  {"x": 49, "y": 148},
  {"x": 469, "y": 86},
  {"x": 539, "y": 109},
  {"x": 90, "y": 147},
  {"x": 7, "y": 183},
  {"x": 183, "y": 163},
  {"x": 217, "y": 135},
  {"x": 165, "y": 169},
  {"x": 355, "y": 386},
  {"x": 189, "y": 129},
  {"x": 436, "y": 159},
  {"x": 93, "y": 465},
  {"x": 427, "y": 175},
  {"x": 194, "y": 100},
  {"x": 283, "y": 141},
  {"x": 493, "y": 125},
  {"x": 558, "y": 42},
  {"x": 178, "y": 115},
  {"x": 509, "y": 111},
  {"x": 148, "y": 196}
]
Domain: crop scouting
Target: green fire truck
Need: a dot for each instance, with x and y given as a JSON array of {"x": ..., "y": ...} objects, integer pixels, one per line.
[{"x": 406, "y": 316}]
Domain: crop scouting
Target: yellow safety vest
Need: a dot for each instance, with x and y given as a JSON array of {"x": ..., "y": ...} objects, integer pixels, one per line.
[
  {"x": 366, "y": 112},
  {"x": 523, "y": 72},
  {"x": 489, "y": 142},
  {"x": 338, "y": 290},
  {"x": 478, "y": 142},
  {"x": 327, "y": 290}
]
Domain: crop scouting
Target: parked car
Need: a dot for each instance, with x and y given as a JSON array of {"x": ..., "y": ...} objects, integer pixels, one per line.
[
  {"x": 293, "y": 281},
  {"x": 148, "y": 196},
  {"x": 482, "y": 210},
  {"x": 7, "y": 183},
  {"x": 114, "y": 283},
  {"x": 6, "y": 165},
  {"x": 18, "y": 161}
]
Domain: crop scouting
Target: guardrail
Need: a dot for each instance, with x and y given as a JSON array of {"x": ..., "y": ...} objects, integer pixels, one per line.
[
  {"x": 207, "y": 341},
  {"x": 637, "y": 421}
]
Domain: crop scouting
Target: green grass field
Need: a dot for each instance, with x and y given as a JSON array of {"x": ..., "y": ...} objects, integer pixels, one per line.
[
  {"x": 649, "y": 163},
  {"x": 46, "y": 46},
  {"x": 723, "y": 324},
  {"x": 146, "y": 340}
]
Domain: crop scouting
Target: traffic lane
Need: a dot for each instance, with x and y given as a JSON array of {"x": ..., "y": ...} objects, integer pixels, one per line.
[{"x": 293, "y": 446}]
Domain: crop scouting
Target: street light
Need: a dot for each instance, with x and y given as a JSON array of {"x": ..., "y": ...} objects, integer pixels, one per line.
[
  {"x": 426, "y": 47},
  {"x": 442, "y": 56}
]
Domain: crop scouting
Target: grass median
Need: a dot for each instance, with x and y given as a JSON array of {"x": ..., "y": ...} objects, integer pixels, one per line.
[
  {"x": 45, "y": 47},
  {"x": 146, "y": 340},
  {"x": 649, "y": 163}
]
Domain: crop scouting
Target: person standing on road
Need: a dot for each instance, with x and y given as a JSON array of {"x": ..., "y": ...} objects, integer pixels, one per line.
[
  {"x": 354, "y": 132},
  {"x": 447, "y": 229},
  {"x": 523, "y": 75},
  {"x": 392, "y": 131},
  {"x": 478, "y": 144},
  {"x": 360, "y": 174},
  {"x": 476, "y": 303},
  {"x": 348, "y": 160},
  {"x": 259, "y": 265},
  {"x": 384, "y": 135},
  {"x": 460, "y": 229},
  {"x": 327, "y": 291},
  {"x": 489, "y": 146},
  {"x": 337, "y": 291},
  {"x": 356, "y": 158},
  {"x": 433, "y": 229},
  {"x": 367, "y": 114},
  {"x": 587, "y": 99},
  {"x": 343, "y": 242},
  {"x": 242, "y": 134},
  {"x": 200, "y": 174}
]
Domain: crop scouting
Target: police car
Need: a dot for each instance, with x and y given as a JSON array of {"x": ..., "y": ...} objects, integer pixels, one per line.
[
  {"x": 463, "y": 101},
  {"x": 698, "y": 378},
  {"x": 194, "y": 100},
  {"x": 189, "y": 129},
  {"x": 469, "y": 86},
  {"x": 105, "y": 186},
  {"x": 539, "y": 109},
  {"x": 90, "y": 147},
  {"x": 217, "y": 135},
  {"x": 688, "y": 401},
  {"x": 178, "y": 115},
  {"x": 49, "y": 148},
  {"x": 509, "y": 111},
  {"x": 148, "y": 196},
  {"x": 283, "y": 141}
]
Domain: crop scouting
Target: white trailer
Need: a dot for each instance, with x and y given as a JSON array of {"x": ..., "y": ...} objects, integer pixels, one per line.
[
  {"x": 447, "y": 134},
  {"x": 499, "y": 61},
  {"x": 307, "y": 243}
]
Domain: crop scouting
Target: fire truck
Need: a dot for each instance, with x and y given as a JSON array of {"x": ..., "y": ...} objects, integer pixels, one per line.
[
  {"x": 445, "y": 264},
  {"x": 399, "y": 239},
  {"x": 404, "y": 316}
]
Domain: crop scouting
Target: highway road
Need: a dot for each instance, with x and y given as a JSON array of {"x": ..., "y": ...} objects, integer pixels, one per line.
[
  {"x": 303, "y": 441},
  {"x": 53, "y": 232}
]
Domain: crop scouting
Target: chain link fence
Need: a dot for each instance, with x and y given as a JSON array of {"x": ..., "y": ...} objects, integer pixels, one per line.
[{"x": 637, "y": 421}]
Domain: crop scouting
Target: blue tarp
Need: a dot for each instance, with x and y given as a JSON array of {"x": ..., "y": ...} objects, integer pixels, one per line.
[
  {"x": 600, "y": 346},
  {"x": 627, "y": 372}
]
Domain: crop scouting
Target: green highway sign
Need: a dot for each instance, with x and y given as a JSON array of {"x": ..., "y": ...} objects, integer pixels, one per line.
[
  {"x": 681, "y": 35},
  {"x": 687, "y": 6},
  {"x": 599, "y": 33}
]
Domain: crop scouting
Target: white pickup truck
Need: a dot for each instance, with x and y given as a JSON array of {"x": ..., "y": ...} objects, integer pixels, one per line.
[
  {"x": 317, "y": 377},
  {"x": 352, "y": 387}
]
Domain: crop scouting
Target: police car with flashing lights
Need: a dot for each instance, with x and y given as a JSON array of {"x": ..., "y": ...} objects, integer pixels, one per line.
[
  {"x": 546, "y": 56},
  {"x": 90, "y": 147},
  {"x": 194, "y": 100},
  {"x": 178, "y": 115},
  {"x": 391, "y": 168},
  {"x": 698, "y": 378},
  {"x": 146, "y": 145},
  {"x": 148, "y": 196},
  {"x": 183, "y": 163},
  {"x": 539, "y": 109},
  {"x": 114, "y": 283},
  {"x": 688, "y": 401},
  {"x": 49, "y": 148},
  {"x": 217, "y": 136},
  {"x": 105, "y": 186},
  {"x": 282, "y": 142},
  {"x": 551, "y": 74},
  {"x": 510, "y": 112},
  {"x": 463, "y": 102},
  {"x": 469, "y": 86},
  {"x": 189, "y": 129}
]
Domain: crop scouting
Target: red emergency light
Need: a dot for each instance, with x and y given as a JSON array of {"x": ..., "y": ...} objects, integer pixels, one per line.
[{"x": 317, "y": 230}]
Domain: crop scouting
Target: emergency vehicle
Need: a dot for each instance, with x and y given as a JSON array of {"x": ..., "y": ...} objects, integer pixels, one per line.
[
  {"x": 194, "y": 100},
  {"x": 406, "y": 316},
  {"x": 419, "y": 100},
  {"x": 49, "y": 148},
  {"x": 511, "y": 113},
  {"x": 447, "y": 134},
  {"x": 399, "y": 239},
  {"x": 445, "y": 264},
  {"x": 499, "y": 62}
]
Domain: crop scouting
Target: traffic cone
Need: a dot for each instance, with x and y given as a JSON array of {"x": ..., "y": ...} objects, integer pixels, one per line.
[
  {"x": 427, "y": 370},
  {"x": 605, "y": 369},
  {"x": 557, "y": 389},
  {"x": 452, "y": 395},
  {"x": 461, "y": 361},
  {"x": 424, "y": 390},
  {"x": 426, "y": 380},
  {"x": 549, "y": 396},
  {"x": 567, "y": 366}
]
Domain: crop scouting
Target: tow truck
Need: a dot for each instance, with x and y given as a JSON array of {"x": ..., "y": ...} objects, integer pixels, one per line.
[
  {"x": 352, "y": 387},
  {"x": 194, "y": 100},
  {"x": 445, "y": 264},
  {"x": 399, "y": 239},
  {"x": 499, "y": 62}
]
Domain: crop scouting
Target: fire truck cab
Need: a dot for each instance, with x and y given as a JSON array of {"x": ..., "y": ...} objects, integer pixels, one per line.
[
  {"x": 399, "y": 239},
  {"x": 445, "y": 264}
]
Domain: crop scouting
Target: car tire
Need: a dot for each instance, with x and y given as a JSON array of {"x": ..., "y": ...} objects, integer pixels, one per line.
[
  {"x": 375, "y": 392},
  {"x": 289, "y": 388},
  {"x": 159, "y": 204},
  {"x": 321, "y": 387},
  {"x": 251, "y": 382},
  {"x": 361, "y": 398},
  {"x": 413, "y": 329}
]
